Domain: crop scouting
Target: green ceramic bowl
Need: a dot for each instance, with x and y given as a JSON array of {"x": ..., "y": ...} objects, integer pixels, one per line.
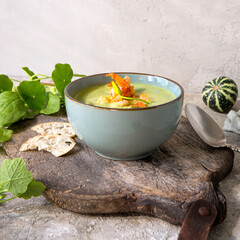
[{"x": 124, "y": 134}]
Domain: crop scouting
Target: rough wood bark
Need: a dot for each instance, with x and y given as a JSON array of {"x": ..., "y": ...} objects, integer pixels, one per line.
[{"x": 163, "y": 185}]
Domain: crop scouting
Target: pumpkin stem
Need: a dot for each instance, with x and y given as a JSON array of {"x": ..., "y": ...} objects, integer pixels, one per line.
[{"x": 215, "y": 88}]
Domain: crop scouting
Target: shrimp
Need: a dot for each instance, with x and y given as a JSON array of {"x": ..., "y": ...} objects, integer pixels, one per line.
[
  {"x": 127, "y": 92},
  {"x": 139, "y": 104},
  {"x": 123, "y": 103},
  {"x": 116, "y": 98},
  {"x": 119, "y": 80},
  {"x": 145, "y": 97},
  {"x": 127, "y": 79},
  {"x": 103, "y": 100},
  {"x": 124, "y": 84}
]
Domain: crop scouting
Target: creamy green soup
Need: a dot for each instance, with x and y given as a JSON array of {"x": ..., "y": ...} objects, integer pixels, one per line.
[{"x": 91, "y": 95}]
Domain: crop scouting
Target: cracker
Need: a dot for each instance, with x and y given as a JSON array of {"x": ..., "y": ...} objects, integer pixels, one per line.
[
  {"x": 54, "y": 128},
  {"x": 58, "y": 145}
]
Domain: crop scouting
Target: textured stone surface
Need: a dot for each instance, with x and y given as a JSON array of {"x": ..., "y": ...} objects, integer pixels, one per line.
[{"x": 37, "y": 219}]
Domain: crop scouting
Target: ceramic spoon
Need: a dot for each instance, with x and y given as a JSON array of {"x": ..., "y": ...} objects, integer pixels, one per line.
[{"x": 206, "y": 128}]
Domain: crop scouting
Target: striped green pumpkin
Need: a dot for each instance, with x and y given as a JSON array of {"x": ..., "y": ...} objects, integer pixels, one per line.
[{"x": 220, "y": 94}]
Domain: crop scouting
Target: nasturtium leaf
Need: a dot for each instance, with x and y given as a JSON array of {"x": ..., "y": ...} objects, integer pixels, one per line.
[
  {"x": 62, "y": 76},
  {"x": 34, "y": 189},
  {"x": 14, "y": 176},
  {"x": 5, "y": 83},
  {"x": 33, "y": 93},
  {"x": 12, "y": 108},
  {"x": 53, "y": 104},
  {"x": 5, "y": 134},
  {"x": 29, "y": 72}
]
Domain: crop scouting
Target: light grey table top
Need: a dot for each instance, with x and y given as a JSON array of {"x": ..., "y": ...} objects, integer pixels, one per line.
[{"x": 37, "y": 219}]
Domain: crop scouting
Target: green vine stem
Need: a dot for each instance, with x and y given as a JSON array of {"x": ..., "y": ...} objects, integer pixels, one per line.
[
  {"x": 79, "y": 75},
  {"x": 35, "y": 75},
  {"x": 4, "y": 190},
  {"x": 15, "y": 80},
  {"x": 8, "y": 199}
]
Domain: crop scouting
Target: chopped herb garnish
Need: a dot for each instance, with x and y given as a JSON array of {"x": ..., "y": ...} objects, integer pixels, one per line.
[{"x": 118, "y": 92}]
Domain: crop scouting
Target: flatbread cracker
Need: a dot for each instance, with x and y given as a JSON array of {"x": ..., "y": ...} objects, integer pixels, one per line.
[
  {"x": 56, "y": 144},
  {"x": 54, "y": 128}
]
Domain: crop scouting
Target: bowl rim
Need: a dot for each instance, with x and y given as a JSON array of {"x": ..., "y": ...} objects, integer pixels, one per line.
[{"x": 122, "y": 109}]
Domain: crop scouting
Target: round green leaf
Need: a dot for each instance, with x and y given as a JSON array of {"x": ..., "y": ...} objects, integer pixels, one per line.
[
  {"x": 62, "y": 76},
  {"x": 5, "y": 134},
  {"x": 14, "y": 176},
  {"x": 5, "y": 83},
  {"x": 53, "y": 104},
  {"x": 33, "y": 93},
  {"x": 34, "y": 189},
  {"x": 12, "y": 108}
]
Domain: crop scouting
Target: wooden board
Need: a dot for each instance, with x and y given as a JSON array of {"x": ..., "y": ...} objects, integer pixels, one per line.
[{"x": 163, "y": 185}]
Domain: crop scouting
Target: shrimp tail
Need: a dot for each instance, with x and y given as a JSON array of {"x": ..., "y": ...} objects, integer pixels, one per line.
[
  {"x": 119, "y": 80},
  {"x": 139, "y": 105}
]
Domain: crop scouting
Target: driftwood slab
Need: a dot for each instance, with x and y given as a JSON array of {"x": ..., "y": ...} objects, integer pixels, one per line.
[{"x": 163, "y": 185}]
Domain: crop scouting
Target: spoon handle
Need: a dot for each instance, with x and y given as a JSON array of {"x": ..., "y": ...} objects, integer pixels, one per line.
[{"x": 234, "y": 147}]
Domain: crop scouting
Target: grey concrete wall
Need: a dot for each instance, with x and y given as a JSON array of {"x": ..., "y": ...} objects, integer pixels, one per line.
[{"x": 191, "y": 42}]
